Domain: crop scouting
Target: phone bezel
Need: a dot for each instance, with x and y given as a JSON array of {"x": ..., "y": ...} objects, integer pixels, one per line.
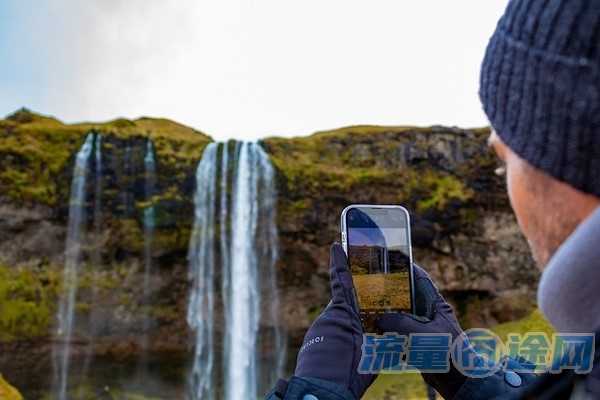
[{"x": 344, "y": 234}]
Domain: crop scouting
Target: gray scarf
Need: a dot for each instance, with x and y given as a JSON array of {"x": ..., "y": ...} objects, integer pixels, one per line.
[{"x": 569, "y": 291}]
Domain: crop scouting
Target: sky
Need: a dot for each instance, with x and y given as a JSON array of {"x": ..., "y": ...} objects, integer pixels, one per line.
[{"x": 247, "y": 69}]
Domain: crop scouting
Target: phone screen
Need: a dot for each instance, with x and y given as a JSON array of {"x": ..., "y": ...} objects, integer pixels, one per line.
[{"x": 379, "y": 258}]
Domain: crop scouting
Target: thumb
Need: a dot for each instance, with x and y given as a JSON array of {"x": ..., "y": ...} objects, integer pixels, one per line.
[{"x": 340, "y": 279}]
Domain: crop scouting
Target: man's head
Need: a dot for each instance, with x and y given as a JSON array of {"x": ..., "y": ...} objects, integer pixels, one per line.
[
  {"x": 547, "y": 209},
  {"x": 540, "y": 88}
]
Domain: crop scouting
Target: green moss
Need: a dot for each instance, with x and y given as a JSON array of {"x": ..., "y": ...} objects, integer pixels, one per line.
[
  {"x": 27, "y": 302},
  {"x": 442, "y": 189},
  {"x": 131, "y": 234},
  {"x": 359, "y": 160},
  {"x": 35, "y": 150},
  {"x": 172, "y": 239},
  {"x": 92, "y": 277},
  {"x": 164, "y": 313},
  {"x": 8, "y": 392},
  {"x": 534, "y": 322}
]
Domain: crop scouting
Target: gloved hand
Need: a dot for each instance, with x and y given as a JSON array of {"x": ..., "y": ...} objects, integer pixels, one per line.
[
  {"x": 331, "y": 349},
  {"x": 434, "y": 315}
]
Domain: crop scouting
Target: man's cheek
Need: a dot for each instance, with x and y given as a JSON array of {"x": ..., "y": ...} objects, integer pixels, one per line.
[{"x": 518, "y": 197}]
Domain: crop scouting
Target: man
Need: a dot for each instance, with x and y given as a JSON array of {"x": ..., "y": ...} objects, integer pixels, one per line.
[{"x": 540, "y": 88}]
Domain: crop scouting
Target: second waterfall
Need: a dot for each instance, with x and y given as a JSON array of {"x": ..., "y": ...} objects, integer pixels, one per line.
[{"x": 239, "y": 346}]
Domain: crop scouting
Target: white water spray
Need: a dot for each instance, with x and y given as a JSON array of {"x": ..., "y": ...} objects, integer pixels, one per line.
[
  {"x": 201, "y": 263},
  {"x": 240, "y": 379},
  {"x": 66, "y": 307},
  {"x": 149, "y": 223},
  {"x": 248, "y": 251}
]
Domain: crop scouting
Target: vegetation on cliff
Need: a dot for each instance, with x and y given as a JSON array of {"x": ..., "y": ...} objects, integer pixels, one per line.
[
  {"x": 431, "y": 170},
  {"x": 27, "y": 300},
  {"x": 36, "y": 150},
  {"x": 462, "y": 229},
  {"x": 444, "y": 176}
]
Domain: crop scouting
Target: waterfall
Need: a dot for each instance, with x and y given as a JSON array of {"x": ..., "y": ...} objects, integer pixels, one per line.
[
  {"x": 225, "y": 225},
  {"x": 268, "y": 248},
  {"x": 98, "y": 198},
  {"x": 253, "y": 295},
  {"x": 96, "y": 253},
  {"x": 247, "y": 254},
  {"x": 148, "y": 221},
  {"x": 65, "y": 316},
  {"x": 127, "y": 173},
  {"x": 240, "y": 378},
  {"x": 201, "y": 263}
]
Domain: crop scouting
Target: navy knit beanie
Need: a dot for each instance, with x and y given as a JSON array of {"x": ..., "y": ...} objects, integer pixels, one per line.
[{"x": 540, "y": 87}]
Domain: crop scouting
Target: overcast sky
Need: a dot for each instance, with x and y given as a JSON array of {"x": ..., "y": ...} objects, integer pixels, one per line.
[{"x": 247, "y": 68}]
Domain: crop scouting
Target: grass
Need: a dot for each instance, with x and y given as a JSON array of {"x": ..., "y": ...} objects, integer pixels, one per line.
[
  {"x": 35, "y": 150},
  {"x": 400, "y": 386},
  {"x": 27, "y": 301},
  {"x": 534, "y": 322},
  {"x": 393, "y": 164}
]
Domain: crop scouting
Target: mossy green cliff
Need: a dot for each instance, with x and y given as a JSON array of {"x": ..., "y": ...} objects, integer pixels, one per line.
[{"x": 463, "y": 231}]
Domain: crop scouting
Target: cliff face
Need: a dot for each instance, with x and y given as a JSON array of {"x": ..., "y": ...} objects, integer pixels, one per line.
[
  {"x": 36, "y": 165},
  {"x": 464, "y": 233}
]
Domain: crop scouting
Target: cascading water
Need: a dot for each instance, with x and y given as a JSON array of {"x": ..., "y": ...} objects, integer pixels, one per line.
[
  {"x": 267, "y": 251},
  {"x": 201, "y": 260},
  {"x": 66, "y": 307},
  {"x": 127, "y": 173},
  {"x": 98, "y": 196},
  {"x": 149, "y": 222},
  {"x": 224, "y": 240},
  {"x": 244, "y": 311},
  {"x": 247, "y": 254},
  {"x": 97, "y": 251}
]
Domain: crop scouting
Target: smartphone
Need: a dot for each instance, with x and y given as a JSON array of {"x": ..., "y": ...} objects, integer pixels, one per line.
[{"x": 376, "y": 239}]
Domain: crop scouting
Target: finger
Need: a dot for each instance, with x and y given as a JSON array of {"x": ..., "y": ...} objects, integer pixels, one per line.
[
  {"x": 427, "y": 295},
  {"x": 342, "y": 289},
  {"x": 419, "y": 272},
  {"x": 420, "y": 275}
]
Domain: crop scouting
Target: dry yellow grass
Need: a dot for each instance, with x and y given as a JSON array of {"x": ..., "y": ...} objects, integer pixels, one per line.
[{"x": 378, "y": 292}]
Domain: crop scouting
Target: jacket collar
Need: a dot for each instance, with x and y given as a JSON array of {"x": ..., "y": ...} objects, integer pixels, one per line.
[{"x": 569, "y": 290}]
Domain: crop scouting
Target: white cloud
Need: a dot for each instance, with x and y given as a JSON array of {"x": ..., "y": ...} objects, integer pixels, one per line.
[{"x": 251, "y": 68}]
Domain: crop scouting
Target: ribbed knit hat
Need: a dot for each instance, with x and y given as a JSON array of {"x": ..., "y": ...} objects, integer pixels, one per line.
[{"x": 540, "y": 87}]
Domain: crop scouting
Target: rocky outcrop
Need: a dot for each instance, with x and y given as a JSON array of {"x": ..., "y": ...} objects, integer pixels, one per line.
[{"x": 464, "y": 232}]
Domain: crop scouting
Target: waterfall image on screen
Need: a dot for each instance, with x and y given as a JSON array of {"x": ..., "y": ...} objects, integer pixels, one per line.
[{"x": 235, "y": 190}]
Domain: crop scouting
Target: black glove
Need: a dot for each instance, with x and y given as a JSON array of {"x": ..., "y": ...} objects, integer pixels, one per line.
[
  {"x": 434, "y": 315},
  {"x": 332, "y": 346}
]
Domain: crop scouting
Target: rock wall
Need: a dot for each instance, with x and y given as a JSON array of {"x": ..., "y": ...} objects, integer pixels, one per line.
[{"x": 464, "y": 233}]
